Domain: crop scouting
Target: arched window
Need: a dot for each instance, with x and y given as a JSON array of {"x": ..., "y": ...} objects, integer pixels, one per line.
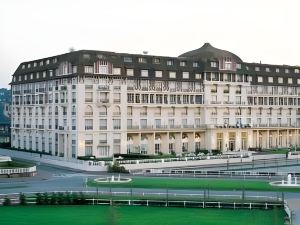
[
  {"x": 117, "y": 111},
  {"x": 89, "y": 111},
  {"x": 102, "y": 111}
]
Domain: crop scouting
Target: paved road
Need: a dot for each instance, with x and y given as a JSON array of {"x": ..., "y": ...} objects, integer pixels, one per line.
[{"x": 51, "y": 179}]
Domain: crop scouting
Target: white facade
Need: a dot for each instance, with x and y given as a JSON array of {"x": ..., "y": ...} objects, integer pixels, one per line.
[{"x": 104, "y": 112}]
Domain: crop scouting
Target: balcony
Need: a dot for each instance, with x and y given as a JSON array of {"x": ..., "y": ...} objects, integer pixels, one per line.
[
  {"x": 103, "y": 88},
  {"x": 103, "y": 142},
  {"x": 133, "y": 127},
  {"x": 88, "y": 100}
]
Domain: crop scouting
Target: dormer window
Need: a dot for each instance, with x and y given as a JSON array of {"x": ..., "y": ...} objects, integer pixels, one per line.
[
  {"x": 35, "y": 64},
  {"x": 47, "y": 61},
  {"x": 23, "y": 66},
  {"x": 142, "y": 60},
  {"x": 195, "y": 64},
  {"x": 238, "y": 66},
  {"x": 170, "y": 63},
  {"x": 127, "y": 59},
  {"x": 296, "y": 70},
  {"x": 182, "y": 63},
  {"x": 277, "y": 70},
  {"x": 267, "y": 69},
  {"x": 156, "y": 60},
  {"x": 41, "y": 63},
  {"x": 28, "y": 66},
  {"x": 286, "y": 70},
  {"x": 257, "y": 68},
  {"x": 214, "y": 64}
]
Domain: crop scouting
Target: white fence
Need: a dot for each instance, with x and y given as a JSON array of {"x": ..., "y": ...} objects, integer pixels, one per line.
[
  {"x": 183, "y": 161},
  {"x": 18, "y": 170}
]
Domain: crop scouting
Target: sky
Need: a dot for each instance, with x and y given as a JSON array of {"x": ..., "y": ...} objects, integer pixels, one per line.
[{"x": 264, "y": 31}]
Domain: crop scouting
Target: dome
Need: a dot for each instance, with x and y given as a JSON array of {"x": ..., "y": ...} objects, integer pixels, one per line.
[{"x": 208, "y": 52}]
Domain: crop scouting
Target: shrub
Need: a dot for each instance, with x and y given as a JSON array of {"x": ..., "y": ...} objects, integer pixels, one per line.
[
  {"x": 116, "y": 168},
  {"x": 53, "y": 199},
  {"x": 22, "y": 198},
  {"x": 7, "y": 201}
]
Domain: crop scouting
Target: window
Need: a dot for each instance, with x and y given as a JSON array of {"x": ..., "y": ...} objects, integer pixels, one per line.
[
  {"x": 185, "y": 75},
  {"x": 44, "y": 74},
  {"x": 23, "y": 66},
  {"x": 34, "y": 64},
  {"x": 172, "y": 74},
  {"x": 144, "y": 73},
  {"x": 257, "y": 68},
  {"x": 238, "y": 66},
  {"x": 277, "y": 70},
  {"x": 197, "y": 76},
  {"x": 298, "y": 81},
  {"x": 37, "y": 75},
  {"x": 296, "y": 71},
  {"x": 170, "y": 62},
  {"x": 213, "y": 64},
  {"x": 25, "y": 77},
  {"x": 158, "y": 73},
  {"x": 142, "y": 60},
  {"x": 129, "y": 72},
  {"x": 143, "y": 123},
  {"x": 54, "y": 60},
  {"x": 28, "y": 66},
  {"x": 88, "y": 124},
  {"x": 259, "y": 79},
  {"x": 127, "y": 59},
  {"x": 47, "y": 61},
  {"x": 182, "y": 63},
  {"x": 50, "y": 73},
  {"x": 290, "y": 80},
  {"x": 41, "y": 63},
  {"x": 31, "y": 76},
  {"x": 286, "y": 70},
  {"x": 280, "y": 80},
  {"x": 116, "y": 124},
  {"x": 156, "y": 60},
  {"x": 195, "y": 64},
  {"x": 89, "y": 69},
  {"x": 270, "y": 79},
  {"x": 103, "y": 124},
  {"x": 117, "y": 71},
  {"x": 267, "y": 69}
]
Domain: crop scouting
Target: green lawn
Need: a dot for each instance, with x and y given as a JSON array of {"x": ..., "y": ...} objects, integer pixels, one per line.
[
  {"x": 195, "y": 183},
  {"x": 135, "y": 215}
]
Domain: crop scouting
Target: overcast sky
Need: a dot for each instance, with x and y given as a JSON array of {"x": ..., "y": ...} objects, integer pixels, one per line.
[{"x": 255, "y": 30}]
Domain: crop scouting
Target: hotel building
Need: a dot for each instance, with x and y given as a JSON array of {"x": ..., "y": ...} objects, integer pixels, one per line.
[{"x": 98, "y": 103}]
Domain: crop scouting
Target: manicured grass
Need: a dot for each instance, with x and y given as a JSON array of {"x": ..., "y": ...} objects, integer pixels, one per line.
[
  {"x": 136, "y": 215},
  {"x": 195, "y": 183}
]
